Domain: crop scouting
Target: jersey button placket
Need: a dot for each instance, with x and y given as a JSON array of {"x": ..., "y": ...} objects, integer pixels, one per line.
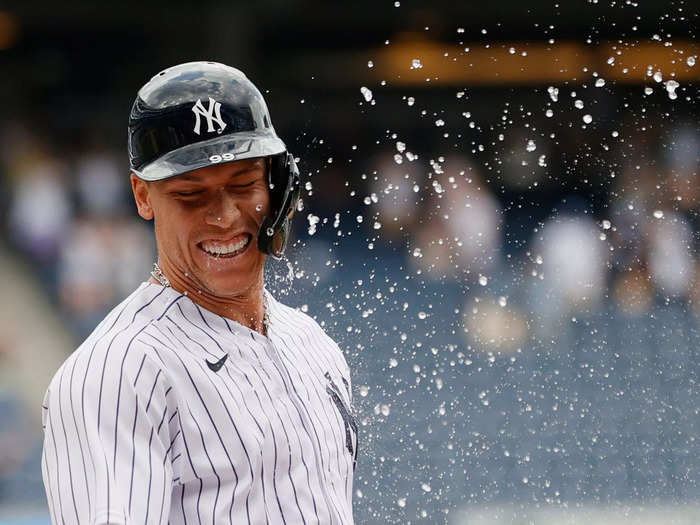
[{"x": 273, "y": 355}]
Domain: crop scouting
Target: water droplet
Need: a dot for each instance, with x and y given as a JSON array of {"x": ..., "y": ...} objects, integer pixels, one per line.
[
  {"x": 539, "y": 259},
  {"x": 359, "y": 218},
  {"x": 658, "y": 77},
  {"x": 385, "y": 409},
  {"x": 377, "y": 225},
  {"x": 606, "y": 224},
  {"x": 671, "y": 86},
  {"x": 270, "y": 232},
  {"x": 258, "y": 207},
  {"x": 542, "y": 161},
  {"x": 690, "y": 61},
  {"x": 422, "y": 315},
  {"x": 531, "y": 146},
  {"x": 511, "y": 51},
  {"x": 364, "y": 390},
  {"x": 587, "y": 118},
  {"x": 549, "y": 113},
  {"x": 659, "y": 214},
  {"x": 553, "y": 93},
  {"x": 367, "y": 93},
  {"x": 426, "y": 487},
  {"x": 602, "y": 236},
  {"x": 393, "y": 363},
  {"x": 416, "y": 63},
  {"x": 400, "y": 147},
  {"x": 599, "y": 82},
  {"x": 648, "y": 90},
  {"x": 417, "y": 252},
  {"x": 410, "y": 101},
  {"x": 370, "y": 64},
  {"x": 483, "y": 280},
  {"x": 502, "y": 301},
  {"x": 398, "y": 158},
  {"x": 401, "y": 502},
  {"x": 313, "y": 221},
  {"x": 579, "y": 104},
  {"x": 439, "y": 122}
]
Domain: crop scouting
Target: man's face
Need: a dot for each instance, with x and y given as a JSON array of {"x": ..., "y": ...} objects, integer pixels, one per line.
[{"x": 206, "y": 225}]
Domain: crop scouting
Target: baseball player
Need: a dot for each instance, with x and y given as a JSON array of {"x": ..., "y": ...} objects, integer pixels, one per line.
[{"x": 200, "y": 398}]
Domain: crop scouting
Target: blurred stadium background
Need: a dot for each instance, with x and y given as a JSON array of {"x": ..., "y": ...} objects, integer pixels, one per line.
[{"x": 500, "y": 229}]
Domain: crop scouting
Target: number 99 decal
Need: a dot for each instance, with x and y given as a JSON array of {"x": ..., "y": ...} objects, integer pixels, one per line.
[{"x": 222, "y": 158}]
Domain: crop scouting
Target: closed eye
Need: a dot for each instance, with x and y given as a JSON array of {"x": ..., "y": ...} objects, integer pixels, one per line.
[
  {"x": 243, "y": 185},
  {"x": 187, "y": 193}
]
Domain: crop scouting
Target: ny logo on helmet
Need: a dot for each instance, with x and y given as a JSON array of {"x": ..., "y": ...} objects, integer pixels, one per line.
[{"x": 213, "y": 114}]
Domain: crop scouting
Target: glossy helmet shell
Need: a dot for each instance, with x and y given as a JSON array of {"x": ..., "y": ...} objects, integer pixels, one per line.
[{"x": 198, "y": 114}]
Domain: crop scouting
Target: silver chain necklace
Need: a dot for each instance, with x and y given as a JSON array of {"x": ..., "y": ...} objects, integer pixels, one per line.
[{"x": 159, "y": 276}]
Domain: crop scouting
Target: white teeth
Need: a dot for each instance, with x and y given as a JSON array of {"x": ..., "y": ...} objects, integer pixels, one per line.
[{"x": 224, "y": 249}]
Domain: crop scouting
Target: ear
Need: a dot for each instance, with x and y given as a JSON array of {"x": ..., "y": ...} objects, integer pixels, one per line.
[{"x": 142, "y": 197}]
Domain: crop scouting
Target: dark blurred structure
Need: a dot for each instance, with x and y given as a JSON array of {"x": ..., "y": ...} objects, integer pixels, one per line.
[{"x": 500, "y": 225}]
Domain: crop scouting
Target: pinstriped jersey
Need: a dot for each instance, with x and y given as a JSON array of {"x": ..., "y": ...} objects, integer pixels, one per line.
[{"x": 169, "y": 413}]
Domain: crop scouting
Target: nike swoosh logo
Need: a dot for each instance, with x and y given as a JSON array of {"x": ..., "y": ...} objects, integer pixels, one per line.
[{"x": 216, "y": 366}]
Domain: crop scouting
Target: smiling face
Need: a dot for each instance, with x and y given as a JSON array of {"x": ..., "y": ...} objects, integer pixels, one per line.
[{"x": 206, "y": 226}]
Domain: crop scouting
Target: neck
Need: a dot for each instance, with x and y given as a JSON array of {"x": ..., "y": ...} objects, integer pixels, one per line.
[{"x": 246, "y": 307}]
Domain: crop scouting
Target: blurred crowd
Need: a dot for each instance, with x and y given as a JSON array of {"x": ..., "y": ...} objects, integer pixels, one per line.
[{"x": 70, "y": 217}]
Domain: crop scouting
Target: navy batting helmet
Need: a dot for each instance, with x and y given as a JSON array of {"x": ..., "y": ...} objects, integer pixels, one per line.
[{"x": 198, "y": 114}]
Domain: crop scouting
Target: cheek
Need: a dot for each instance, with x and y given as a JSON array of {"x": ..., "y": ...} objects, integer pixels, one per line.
[
  {"x": 172, "y": 227},
  {"x": 261, "y": 201}
]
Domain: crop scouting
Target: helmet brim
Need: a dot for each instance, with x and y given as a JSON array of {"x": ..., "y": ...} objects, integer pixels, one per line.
[{"x": 219, "y": 150}]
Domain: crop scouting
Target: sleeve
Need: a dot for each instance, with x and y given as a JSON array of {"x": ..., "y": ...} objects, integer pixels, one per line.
[{"x": 106, "y": 455}]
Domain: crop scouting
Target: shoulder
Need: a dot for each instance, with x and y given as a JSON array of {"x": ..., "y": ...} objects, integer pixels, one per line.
[
  {"x": 293, "y": 319},
  {"x": 115, "y": 350}
]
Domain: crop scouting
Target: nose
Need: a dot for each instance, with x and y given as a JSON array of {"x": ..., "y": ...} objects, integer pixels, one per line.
[{"x": 223, "y": 210}]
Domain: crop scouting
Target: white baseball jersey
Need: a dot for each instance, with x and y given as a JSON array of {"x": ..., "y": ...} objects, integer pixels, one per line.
[{"x": 169, "y": 413}]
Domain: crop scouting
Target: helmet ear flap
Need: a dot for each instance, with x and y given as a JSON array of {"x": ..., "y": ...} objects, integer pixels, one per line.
[{"x": 285, "y": 186}]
